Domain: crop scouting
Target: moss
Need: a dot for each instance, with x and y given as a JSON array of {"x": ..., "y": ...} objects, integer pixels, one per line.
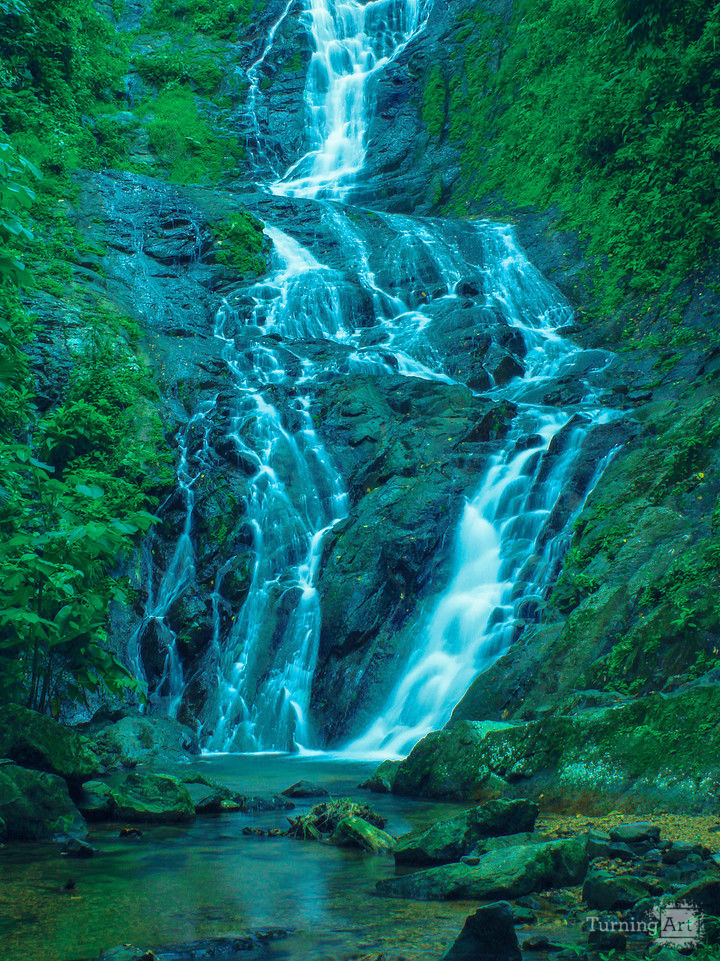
[
  {"x": 241, "y": 245},
  {"x": 434, "y": 103},
  {"x": 649, "y": 527},
  {"x": 186, "y": 145}
]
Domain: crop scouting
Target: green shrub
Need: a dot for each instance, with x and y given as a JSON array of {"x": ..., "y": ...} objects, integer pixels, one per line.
[
  {"x": 184, "y": 141},
  {"x": 216, "y": 19},
  {"x": 609, "y": 109},
  {"x": 242, "y": 245}
]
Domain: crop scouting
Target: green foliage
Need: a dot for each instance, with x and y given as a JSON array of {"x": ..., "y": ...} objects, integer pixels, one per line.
[
  {"x": 221, "y": 20},
  {"x": 171, "y": 64},
  {"x": 76, "y": 484},
  {"x": 184, "y": 141},
  {"x": 610, "y": 109},
  {"x": 60, "y": 62},
  {"x": 242, "y": 245}
]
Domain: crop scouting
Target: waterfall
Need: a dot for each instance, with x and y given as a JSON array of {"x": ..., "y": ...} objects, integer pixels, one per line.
[{"x": 398, "y": 276}]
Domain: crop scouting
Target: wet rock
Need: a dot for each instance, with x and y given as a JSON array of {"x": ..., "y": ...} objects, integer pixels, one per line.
[
  {"x": 635, "y": 833},
  {"x": 607, "y": 940},
  {"x": 35, "y": 741},
  {"x": 220, "y": 949},
  {"x": 77, "y": 848},
  {"x": 488, "y": 935},
  {"x": 679, "y": 852},
  {"x": 705, "y": 893},
  {"x": 561, "y": 756},
  {"x": 207, "y": 798},
  {"x": 449, "y": 765},
  {"x": 506, "y": 873},
  {"x": 35, "y": 805},
  {"x": 355, "y": 832},
  {"x": 540, "y": 943},
  {"x": 134, "y": 797},
  {"x": 381, "y": 782},
  {"x": 449, "y": 840},
  {"x": 610, "y": 892},
  {"x": 141, "y": 739},
  {"x": 305, "y": 789}
]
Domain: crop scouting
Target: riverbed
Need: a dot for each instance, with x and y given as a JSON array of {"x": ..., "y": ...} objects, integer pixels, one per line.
[{"x": 208, "y": 879}]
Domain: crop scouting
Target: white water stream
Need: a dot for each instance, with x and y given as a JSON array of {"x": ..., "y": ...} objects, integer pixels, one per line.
[{"x": 266, "y": 664}]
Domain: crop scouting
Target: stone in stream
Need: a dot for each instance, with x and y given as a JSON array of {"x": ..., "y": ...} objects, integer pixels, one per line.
[
  {"x": 35, "y": 806},
  {"x": 304, "y": 789},
  {"x": 705, "y": 893},
  {"x": 356, "y": 832},
  {"x": 381, "y": 781},
  {"x": 449, "y": 840},
  {"x": 76, "y": 848},
  {"x": 613, "y": 892},
  {"x": 220, "y": 949},
  {"x": 508, "y": 872},
  {"x": 134, "y": 797},
  {"x": 488, "y": 935}
]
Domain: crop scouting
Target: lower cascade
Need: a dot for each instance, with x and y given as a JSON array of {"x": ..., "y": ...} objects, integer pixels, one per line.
[{"x": 388, "y": 293}]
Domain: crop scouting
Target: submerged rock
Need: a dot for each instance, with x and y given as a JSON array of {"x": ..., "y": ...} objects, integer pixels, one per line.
[
  {"x": 36, "y": 741},
  {"x": 488, "y": 935},
  {"x": 304, "y": 789},
  {"x": 355, "y": 832},
  {"x": 35, "y": 805},
  {"x": 449, "y": 840},
  {"x": 504, "y": 873},
  {"x": 133, "y": 797},
  {"x": 222, "y": 949}
]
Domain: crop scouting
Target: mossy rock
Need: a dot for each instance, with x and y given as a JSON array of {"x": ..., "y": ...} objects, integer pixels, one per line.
[
  {"x": 355, "y": 832},
  {"x": 138, "y": 798},
  {"x": 660, "y": 750},
  {"x": 510, "y": 872},
  {"x": 35, "y": 806},
  {"x": 36, "y": 741},
  {"x": 448, "y": 840}
]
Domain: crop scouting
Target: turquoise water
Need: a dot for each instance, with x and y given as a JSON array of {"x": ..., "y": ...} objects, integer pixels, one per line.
[{"x": 211, "y": 880}]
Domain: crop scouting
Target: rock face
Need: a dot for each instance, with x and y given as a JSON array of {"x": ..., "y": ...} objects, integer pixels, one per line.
[
  {"x": 510, "y": 872},
  {"x": 449, "y": 840},
  {"x": 137, "y": 798},
  {"x": 134, "y": 739},
  {"x": 36, "y": 741},
  {"x": 35, "y": 806},
  {"x": 601, "y": 758},
  {"x": 488, "y": 935}
]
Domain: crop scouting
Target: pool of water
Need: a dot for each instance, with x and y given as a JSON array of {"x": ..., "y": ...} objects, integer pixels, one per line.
[{"x": 211, "y": 880}]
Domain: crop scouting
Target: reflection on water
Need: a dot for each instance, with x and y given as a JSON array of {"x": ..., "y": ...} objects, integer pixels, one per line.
[{"x": 210, "y": 880}]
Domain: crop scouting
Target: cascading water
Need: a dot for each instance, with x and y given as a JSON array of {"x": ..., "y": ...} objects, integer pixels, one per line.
[{"x": 400, "y": 278}]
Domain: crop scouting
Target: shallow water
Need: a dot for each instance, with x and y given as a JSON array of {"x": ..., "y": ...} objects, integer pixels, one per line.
[{"x": 209, "y": 880}]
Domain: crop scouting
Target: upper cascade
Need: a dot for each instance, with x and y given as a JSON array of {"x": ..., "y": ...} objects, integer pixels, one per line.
[{"x": 353, "y": 42}]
